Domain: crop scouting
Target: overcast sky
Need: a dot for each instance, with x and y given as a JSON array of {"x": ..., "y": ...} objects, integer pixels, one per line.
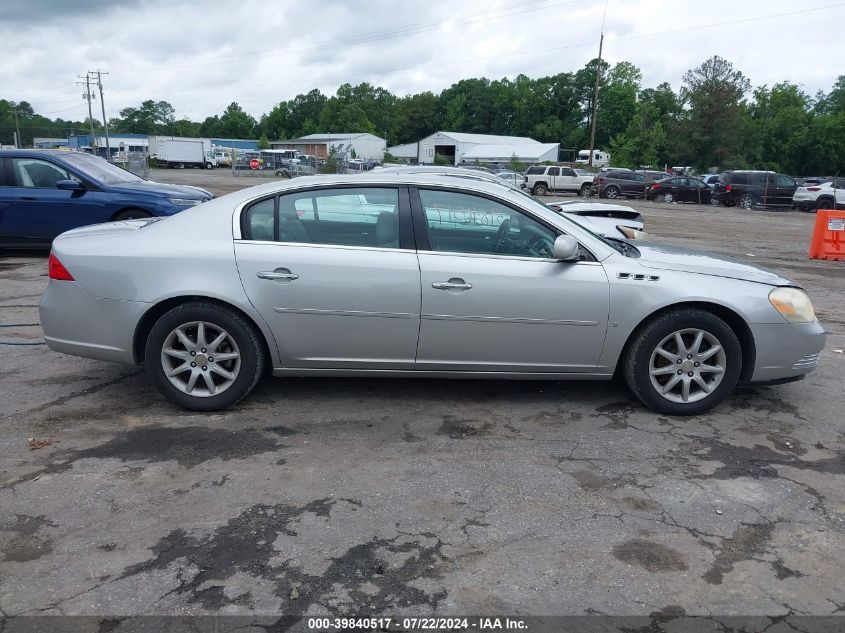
[{"x": 202, "y": 55}]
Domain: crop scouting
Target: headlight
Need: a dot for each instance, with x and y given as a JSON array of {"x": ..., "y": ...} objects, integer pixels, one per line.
[
  {"x": 184, "y": 202},
  {"x": 793, "y": 304}
]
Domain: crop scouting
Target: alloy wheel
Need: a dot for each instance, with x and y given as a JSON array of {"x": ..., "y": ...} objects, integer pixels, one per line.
[
  {"x": 200, "y": 359},
  {"x": 668, "y": 197},
  {"x": 687, "y": 365}
]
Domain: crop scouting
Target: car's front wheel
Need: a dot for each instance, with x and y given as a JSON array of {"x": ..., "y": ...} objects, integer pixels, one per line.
[
  {"x": 684, "y": 362},
  {"x": 203, "y": 356},
  {"x": 586, "y": 191}
]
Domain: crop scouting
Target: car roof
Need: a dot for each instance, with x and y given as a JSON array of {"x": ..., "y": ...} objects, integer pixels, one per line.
[{"x": 6, "y": 153}]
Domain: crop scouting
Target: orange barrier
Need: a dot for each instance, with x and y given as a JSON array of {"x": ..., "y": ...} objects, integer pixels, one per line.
[{"x": 828, "y": 236}]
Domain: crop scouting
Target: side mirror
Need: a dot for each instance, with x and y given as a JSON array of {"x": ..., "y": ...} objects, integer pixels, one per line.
[
  {"x": 566, "y": 249},
  {"x": 69, "y": 185}
]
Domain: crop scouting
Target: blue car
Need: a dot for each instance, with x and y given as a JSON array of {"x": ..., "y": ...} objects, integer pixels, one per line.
[{"x": 46, "y": 192}]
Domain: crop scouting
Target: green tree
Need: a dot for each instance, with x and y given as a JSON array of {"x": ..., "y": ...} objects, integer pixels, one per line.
[
  {"x": 263, "y": 142},
  {"x": 235, "y": 123},
  {"x": 715, "y": 126}
]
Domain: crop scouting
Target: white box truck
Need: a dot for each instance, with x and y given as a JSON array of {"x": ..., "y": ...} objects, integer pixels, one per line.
[{"x": 179, "y": 152}]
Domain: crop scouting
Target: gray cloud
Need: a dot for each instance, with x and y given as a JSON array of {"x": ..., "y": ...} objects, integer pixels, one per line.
[{"x": 201, "y": 56}]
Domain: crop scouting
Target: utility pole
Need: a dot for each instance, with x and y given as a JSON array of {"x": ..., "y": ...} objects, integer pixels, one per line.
[
  {"x": 18, "y": 139},
  {"x": 103, "y": 106},
  {"x": 89, "y": 96},
  {"x": 596, "y": 101}
]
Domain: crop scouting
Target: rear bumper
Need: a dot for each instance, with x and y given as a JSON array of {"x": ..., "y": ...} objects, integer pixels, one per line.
[
  {"x": 786, "y": 350},
  {"x": 77, "y": 324}
]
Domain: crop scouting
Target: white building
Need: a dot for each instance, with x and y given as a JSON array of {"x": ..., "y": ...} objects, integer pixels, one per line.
[
  {"x": 458, "y": 147},
  {"x": 363, "y": 145},
  {"x": 407, "y": 153},
  {"x": 524, "y": 153}
]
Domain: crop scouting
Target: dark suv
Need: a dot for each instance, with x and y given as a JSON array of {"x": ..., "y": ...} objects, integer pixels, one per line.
[
  {"x": 747, "y": 189},
  {"x": 616, "y": 183}
]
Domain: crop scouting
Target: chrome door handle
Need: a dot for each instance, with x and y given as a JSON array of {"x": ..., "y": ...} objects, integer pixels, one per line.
[
  {"x": 451, "y": 285},
  {"x": 289, "y": 276}
]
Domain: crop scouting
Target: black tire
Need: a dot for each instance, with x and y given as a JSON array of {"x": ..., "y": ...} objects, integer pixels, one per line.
[
  {"x": 668, "y": 197},
  {"x": 636, "y": 363},
  {"x": 540, "y": 189},
  {"x": 586, "y": 191},
  {"x": 249, "y": 343},
  {"x": 612, "y": 192},
  {"x": 824, "y": 204},
  {"x": 132, "y": 214},
  {"x": 209, "y": 166},
  {"x": 745, "y": 201}
]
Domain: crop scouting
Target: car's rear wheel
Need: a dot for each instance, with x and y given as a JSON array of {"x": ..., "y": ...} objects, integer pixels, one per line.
[
  {"x": 745, "y": 201},
  {"x": 611, "y": 192},
  {"x": 824, "y": 204},
  {"x": 132, "y": 214},
  {"x": 203, "y": 356},
  {"x": 684, "y": 362},
  {"x": 668, "y": 197},
  {"x": 540, "y": 190}
]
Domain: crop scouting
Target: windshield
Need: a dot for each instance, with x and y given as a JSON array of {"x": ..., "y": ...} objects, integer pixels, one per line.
[{"x": 99, "y": 169}]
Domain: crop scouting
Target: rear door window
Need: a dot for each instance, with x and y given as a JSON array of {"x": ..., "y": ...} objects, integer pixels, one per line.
[{"x": 360, "y": 216}]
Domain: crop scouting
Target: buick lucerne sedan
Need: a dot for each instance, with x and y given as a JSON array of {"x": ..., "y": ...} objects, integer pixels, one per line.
[{"x": 415, "y": 275}]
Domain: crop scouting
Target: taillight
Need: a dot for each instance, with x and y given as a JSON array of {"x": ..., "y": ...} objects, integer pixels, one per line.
[
  {"x": 600, "y": 179},
  {"x": 814, "y": 188},
  {"x": 727, "y": 187},
  {"x": 56, "y": 270},
  {"x": 655, "y": 186}
]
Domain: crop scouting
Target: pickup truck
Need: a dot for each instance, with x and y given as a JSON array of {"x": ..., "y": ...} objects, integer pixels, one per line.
[{"x": 541, "y": 179}]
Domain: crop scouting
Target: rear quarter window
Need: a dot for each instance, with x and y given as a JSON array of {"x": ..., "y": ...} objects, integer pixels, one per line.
[{"x": 535, "y": 171}]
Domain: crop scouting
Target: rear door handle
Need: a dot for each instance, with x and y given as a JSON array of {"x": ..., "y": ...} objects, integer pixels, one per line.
[
  {"x": 452, "y": 284},
  {"x": 280, "y": 274}
]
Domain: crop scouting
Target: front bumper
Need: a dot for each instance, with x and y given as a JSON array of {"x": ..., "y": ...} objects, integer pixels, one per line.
[
  {"x": 786, "y": 350},
  {"x": 76, "y": 323}
]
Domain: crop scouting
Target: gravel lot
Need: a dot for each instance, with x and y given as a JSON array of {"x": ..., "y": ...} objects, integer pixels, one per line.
[{"x": 399, "y": 497}]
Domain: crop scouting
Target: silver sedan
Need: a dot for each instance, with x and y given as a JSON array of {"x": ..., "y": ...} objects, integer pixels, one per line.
[{"x": 415, "y": 275}]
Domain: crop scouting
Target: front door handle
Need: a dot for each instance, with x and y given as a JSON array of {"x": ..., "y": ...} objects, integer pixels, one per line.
[
  {"x": 454, "y": 283},
  {"x": 280, "y": 274}
]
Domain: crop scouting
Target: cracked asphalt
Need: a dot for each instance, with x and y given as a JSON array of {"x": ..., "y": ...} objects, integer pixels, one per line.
[{"x": 402, "y": 497}]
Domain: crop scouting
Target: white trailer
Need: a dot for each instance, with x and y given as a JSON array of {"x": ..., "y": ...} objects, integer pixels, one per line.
[
  {"x": 600, "y": 158},
  {"x": 179, "y": 152}
]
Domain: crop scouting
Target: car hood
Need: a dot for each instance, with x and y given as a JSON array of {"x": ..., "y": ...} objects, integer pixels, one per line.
[
  {"x": 665, "y": 257},
  {"x": 605, "y": 225},
  {"x": 164, "y": 189}
]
